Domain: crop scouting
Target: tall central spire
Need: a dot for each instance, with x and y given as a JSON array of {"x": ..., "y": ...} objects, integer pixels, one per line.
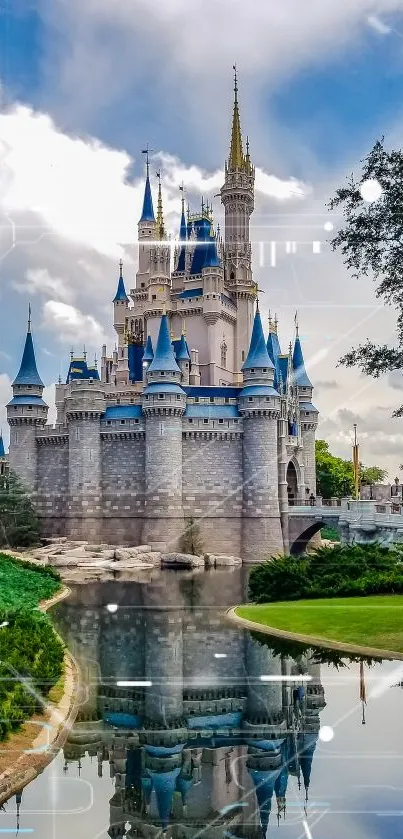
[
  {"x": 236, "y": 157},
  {"x": 160, "y": 215}
]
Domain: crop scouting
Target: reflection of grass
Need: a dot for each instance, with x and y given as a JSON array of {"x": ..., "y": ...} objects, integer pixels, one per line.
[
  {"x": 330, "y": 533},
  {"x": 367, "y": 621}
]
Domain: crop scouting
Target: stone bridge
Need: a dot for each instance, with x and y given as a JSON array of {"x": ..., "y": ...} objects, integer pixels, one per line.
[{"x": 358, "y": 522}]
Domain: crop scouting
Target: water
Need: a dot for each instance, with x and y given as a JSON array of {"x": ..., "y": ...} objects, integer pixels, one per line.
[{"x": 266, "y": 763}]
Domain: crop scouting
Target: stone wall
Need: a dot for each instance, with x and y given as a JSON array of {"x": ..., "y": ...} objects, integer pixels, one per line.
[
  {"x": 212, "y": 489},
  {"x": 123, "y": 487},
  {"x": 52, "y": 485}
]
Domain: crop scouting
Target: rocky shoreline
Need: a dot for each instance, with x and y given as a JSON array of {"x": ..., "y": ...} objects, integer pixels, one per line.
[{"x": 80, "y": 558}]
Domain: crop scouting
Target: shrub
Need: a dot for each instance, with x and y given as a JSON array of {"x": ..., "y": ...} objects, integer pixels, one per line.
[{"x": 340, "y": 571}]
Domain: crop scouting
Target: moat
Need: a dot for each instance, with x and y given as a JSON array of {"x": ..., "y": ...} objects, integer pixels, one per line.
[{"x": 219, "y": 733}]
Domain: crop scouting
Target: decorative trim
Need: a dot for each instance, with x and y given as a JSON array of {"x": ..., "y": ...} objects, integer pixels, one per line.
[{"x": 212, "y": 435}]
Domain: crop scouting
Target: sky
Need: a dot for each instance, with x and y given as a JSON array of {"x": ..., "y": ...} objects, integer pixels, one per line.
[{"x": 86, "y": 84}]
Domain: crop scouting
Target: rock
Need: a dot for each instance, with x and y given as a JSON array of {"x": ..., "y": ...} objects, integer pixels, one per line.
[
  {"x": 227, "y": 560},
  {"x": 64, "y": 560},
  {"x": 177, "y": 560},
  {"x": 139, "y": 549},
  {"x": 122, "y": 554}
]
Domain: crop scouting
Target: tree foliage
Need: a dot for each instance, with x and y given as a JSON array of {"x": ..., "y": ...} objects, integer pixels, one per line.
[
  {"x": 191, "y": 542},
  {"x": 371, "y": 243},
  {"x": 19, "y": 524},
  {"x": 340, "y": 571},
  {"x": 31, "y": 654},
  {"x": 335, "y": 476}
]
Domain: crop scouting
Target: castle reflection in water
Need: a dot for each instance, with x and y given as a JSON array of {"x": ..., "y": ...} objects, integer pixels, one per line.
[{"x": 208, "y": 746}]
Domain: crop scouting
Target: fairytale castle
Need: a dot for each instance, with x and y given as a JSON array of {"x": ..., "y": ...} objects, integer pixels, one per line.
[{"x": 196, "y": 414}]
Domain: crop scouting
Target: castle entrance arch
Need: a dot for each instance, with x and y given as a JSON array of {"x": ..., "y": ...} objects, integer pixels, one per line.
[{"x": 292, "y": 484}]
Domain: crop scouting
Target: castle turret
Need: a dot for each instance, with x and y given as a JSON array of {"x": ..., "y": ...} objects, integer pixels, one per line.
[
  {"x": 183, "y": 359},
  {"x": 274, "y": 350},
  {"x": 308, "y": 414},
  {"x": 259, "y": 404},
  {"x": 120, "y": 302},
  {"x": 163, "y": 403},
  {"x": 146, "y": 231},
  {"x": 237, "y": 196},
  {"x": 26, "y": 413},
  {"x": 160, "y": 282},
  {"x": 213, "y": 287},
  {"x": 148, "y": 356},
  {"x": 85, "y": 404}
]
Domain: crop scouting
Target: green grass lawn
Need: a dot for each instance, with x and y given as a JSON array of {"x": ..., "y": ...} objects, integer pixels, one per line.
[{"x": 367, "y": 621}]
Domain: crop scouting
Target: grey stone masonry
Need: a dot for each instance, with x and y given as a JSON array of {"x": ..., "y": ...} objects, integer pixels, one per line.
[
  {"x": 262, "y": 527},
  {"x": 85, "y": 405},
  {"x": 163, "y": 488}
]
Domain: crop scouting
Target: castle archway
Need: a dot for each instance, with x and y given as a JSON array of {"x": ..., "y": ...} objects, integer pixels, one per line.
[{"x": 292, "y": 484}]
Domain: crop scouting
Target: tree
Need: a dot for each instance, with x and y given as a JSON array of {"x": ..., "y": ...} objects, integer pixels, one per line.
[
  {"x": 191, "y": 539},
  {"x": 371, "y": 243},
  {"x": 19, "y": 524},
  {"x": 373, "y": 475},
  {"x": 335, "y": 476}
]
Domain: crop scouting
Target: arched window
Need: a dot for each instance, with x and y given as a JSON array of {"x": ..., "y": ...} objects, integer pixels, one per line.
[{"x": 223, "y": 354}]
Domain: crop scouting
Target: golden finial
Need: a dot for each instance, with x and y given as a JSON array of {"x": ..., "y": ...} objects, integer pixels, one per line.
[
  {"x": 236, "y": 158},
  {"x": 160, "y": 216}
]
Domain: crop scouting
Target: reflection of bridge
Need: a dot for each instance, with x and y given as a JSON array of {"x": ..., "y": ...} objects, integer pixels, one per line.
[{"x": 358, "y": 522}]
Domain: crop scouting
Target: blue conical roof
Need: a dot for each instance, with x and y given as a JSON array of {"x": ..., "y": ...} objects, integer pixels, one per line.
[
  {"x": 264, "y": 784},
  {"x": 164, "y": 358},
  {"x": 148, "y": 209},
  {"x": 121, "y": 291},
  {"x": 2, "y": 449},
  {"x": 274, "y": 350},
  {"x": 257, "y": 355},
  {"x": 182, "y": 353},
  {"x": 28, "y": 372},
  {"x": 148, "y": 352},
  {"x": 212, "y": 259},
  {"x": 306, "y": 748},
  {"x": 300, "y": 374},
  {"x": 182, "y": 237},
  {"x": 164, "y": 784}
]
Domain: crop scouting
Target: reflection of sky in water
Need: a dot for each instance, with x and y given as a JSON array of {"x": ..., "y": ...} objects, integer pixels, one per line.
[{"x": 356, "y": 784}]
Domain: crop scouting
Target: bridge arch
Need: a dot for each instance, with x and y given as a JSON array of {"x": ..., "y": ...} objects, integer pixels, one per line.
[{"x": 299, "y": 545}]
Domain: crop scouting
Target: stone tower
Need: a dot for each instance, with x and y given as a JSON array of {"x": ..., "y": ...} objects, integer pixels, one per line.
[
  {"x": 259, "y": 405},
  {"x": 308, "y": 415},
  {"x": 163, "y": 404},
  {"x": 85, "y": 405},
  {"x": 26, "y": 413},
  {"x": 146, "y": 233},
  {"x": 237, "y": 196}
]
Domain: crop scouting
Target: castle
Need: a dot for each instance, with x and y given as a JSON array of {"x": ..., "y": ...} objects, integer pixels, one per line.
[{"x": 195, "y": 415}]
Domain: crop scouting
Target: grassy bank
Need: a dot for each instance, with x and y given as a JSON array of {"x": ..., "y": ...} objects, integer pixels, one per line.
[
  {"x": 375, "y": 621},
  {"x": 31, "y": 655}
]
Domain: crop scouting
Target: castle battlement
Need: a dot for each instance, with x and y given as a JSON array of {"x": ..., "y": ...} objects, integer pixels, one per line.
[{"x": 196, "y": 414}]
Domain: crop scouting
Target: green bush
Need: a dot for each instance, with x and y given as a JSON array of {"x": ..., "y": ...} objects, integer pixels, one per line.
[
  {"x": 330, "y": 533},
  {"x": 19, "y": 523},
  {"x": 31, "y": 654},
  {"x": 341, "y": 571}
]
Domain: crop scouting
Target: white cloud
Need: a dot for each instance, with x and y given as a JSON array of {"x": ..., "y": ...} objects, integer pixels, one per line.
[
  {"x": 71, "y": 326},
  {"x": 40, "y": 280},
  {"x": 376, "y": 23}
]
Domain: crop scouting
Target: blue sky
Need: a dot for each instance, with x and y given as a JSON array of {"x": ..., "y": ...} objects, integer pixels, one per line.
[{"x": 86, "y": 83}]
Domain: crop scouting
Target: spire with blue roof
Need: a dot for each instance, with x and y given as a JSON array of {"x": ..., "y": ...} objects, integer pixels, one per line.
[
  {"x": 164, "y": 785},
  {"x": 148, "y": 351},
  {"x": 258, "y": 357},
  {"x": 273, "y": 348},
  {"x": 148, "y": 209},
  {"x": 2, "y": 449},
  {"x": 28, "y": 372},
  {"x": 121, "y": 291},
  {"x": 164, "y": 359},
  {"x": 182, "y": 236},
  {"x": 298, "y": 364}
]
